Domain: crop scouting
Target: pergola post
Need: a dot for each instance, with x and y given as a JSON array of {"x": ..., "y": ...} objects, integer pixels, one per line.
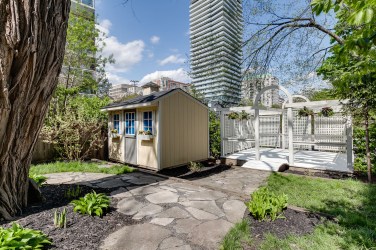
[
  {"x": 289, "y": 118},
  {"x": 222, "y": 122},
  {"x": 349, "y": 143},
  {"x": 291, "y": 137},
  {"x": 257, "y": 132}
]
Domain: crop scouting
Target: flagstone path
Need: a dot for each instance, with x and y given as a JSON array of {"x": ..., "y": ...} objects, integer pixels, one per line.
[{"x": 178, "y": 214}]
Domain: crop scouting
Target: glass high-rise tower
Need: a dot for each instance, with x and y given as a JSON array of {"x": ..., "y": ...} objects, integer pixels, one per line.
[{"x": 216, "y": 30}]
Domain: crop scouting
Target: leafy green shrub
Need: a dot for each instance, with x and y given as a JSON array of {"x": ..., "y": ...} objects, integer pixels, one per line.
[
  {"x": 60, "y": 219},
  {"x": 264, "y": 203},
  {"x": 73, "y": 192},
  {"x": 360, "y": 164},
  {"x": 195, "y": 166},
  {"x": 18, "y": 237},
  {"x": 214, "y": 135},
  {"x": 39, "y": 179},
  {"x": 92, "y": 204}
]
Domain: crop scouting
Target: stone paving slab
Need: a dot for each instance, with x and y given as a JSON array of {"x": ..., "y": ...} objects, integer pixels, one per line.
[{"x": 175, "y": 214}]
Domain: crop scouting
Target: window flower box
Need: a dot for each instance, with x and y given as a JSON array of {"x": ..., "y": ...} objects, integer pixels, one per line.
[
  {"x": 145, "y": 135},
  {"x": 114, "y": 134}
]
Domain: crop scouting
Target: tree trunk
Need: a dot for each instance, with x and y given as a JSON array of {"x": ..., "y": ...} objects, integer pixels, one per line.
[
  {"x": 32, "y": 44},
  {"x": 368, "y": 151}
]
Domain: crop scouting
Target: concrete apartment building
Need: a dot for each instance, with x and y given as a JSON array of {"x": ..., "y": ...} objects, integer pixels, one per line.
[
  {"x": 216, "y": 29},
  {"x": 252, "y": 84},
  {"x": 166, "y": 83},
  {"x": 119, "y": 91}
]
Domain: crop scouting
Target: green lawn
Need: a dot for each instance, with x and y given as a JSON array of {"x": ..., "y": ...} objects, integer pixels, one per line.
[
  {"x": 76, "y": 166},
  {"x": 352, "y": 203}
]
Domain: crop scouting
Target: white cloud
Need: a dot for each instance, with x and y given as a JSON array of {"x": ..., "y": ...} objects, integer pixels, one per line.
[
  {"x": 116, "y": 79},
  {"x": 126, "y": 55},
  {"x": 155, "y": 39},
  {"x": 178, "y": 75},
  {"x": 175, "y": 59}
]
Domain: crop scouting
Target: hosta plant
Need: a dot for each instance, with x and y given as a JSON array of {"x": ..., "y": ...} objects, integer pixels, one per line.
[
  {"x": 92, "y": 204},
  {"x": 73, "y": 192},
  {"x": 264, "y": 204},
  {"x": 17, "y": 237},
  {"x": 60, "y": 219}
]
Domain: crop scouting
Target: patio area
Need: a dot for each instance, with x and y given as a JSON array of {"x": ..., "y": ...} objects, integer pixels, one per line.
[{"x": 272, "y": 159}]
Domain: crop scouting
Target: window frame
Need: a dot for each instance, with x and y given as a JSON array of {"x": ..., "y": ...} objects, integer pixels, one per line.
[
  {"x": 134, "y": 123},
  {"x": 118, "y": 121},
  {"x": 148, "y": 119}
]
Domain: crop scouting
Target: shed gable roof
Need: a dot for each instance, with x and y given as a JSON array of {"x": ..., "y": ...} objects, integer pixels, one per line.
[{"x": 149, "y": 98}]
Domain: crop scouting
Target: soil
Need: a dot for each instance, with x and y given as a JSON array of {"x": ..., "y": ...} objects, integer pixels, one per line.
[
  {"x": 83, "y": 231},
  {"x": 295, "y": 222},
  {"x": 210, "y": 167}
]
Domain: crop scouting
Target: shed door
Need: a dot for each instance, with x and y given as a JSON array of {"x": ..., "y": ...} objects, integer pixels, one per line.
[{"x": 130, "y": 155}]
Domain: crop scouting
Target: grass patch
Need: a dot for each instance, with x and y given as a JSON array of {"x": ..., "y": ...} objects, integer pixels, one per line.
[
  {"x": 351, "y": 202},
  {"x": 238, "y": 237},
  {"x": 76, "y": 166}
]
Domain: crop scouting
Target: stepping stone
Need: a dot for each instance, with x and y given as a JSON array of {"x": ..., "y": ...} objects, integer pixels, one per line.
[
  {"x": 169, "y": 188},
  {"x": 129, "y": 206},
  {"x": 205, "y": 195},
  {"x": 210, "y": 234},
  {"x": 140, "y": 181},
  {"x": 186, "y": 187},
  {"x": 148, "y": 210},
  {"x": 163, "y": 197},
  {"x": 141, "y": 237},
  {"x": 121, "y": 193},
  {"x": 111, "y": 183},
  {"x": 185, "y": 226},
  {"x": 207, "y": 206},
  {"x": 174, "y": 212},
  {"x": 200, "y": 214},
  {"x": 171, "y": 243},
  {"x": 162, "y": 221},
  {"x": 145, "y": 190},
  {"x": 234, "y": 210}
]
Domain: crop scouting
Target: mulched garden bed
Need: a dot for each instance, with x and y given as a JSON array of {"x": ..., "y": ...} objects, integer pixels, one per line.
[
  {"x": 210, "y": 167},
  {"x": 83, "y": 231},
  {"x": 295, "y": 222}
]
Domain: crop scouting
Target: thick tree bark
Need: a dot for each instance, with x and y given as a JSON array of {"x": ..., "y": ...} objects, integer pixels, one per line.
[{"x": 32, "y": 43}]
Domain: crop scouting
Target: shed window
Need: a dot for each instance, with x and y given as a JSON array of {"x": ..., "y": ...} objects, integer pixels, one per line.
[
  {"x": 148, "y": 121},
  {"x": 116, "y": 120},
  {"x": 129, "y": 123}
]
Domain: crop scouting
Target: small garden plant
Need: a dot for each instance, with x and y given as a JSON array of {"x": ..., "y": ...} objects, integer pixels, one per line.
[
  {"x": 147, "y": 132},
  {"x": 73, "y": 192},
  {"x": 264, "y": 204},
  {"x": 195, "y": 166},
  {"x": 326, "y": 112},
  {"x": 39, "y": 179},
  {"x": 18, "y": 237},
  {"x": 60, "y": 219},
  {"x": 92, "y": 204},
  {"x": 305, "y": 112}
]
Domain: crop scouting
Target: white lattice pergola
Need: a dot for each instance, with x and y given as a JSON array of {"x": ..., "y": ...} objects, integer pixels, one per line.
[{"x": 281, "y": 136}]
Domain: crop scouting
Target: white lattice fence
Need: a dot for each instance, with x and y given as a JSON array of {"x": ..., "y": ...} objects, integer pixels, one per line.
[
  {"x": 301, "y": 129},
  {"x": 238, "y": 135},
  {"x": 270, "y": 131},
  {"x": 330, "y": 129}
]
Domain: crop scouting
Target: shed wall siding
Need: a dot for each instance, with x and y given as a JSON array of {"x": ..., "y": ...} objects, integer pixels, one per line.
[
  {"x": 184, "y": 131},
  {"x": 147, "y": 150}
]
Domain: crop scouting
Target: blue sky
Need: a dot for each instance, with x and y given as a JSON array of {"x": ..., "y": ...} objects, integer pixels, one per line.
[{"x": 148, "y": 38}]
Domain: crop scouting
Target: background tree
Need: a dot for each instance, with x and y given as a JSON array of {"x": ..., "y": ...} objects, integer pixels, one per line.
[
  {"x": 75, "y": 125},
  {"x": 31, "y": 55}
]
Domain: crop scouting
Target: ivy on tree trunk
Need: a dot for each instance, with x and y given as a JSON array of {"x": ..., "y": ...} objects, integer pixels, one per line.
[{"x": 32, "y": 43}]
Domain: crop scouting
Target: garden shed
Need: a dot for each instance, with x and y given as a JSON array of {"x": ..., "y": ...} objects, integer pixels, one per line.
[{"x": 158, "y": 130}]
